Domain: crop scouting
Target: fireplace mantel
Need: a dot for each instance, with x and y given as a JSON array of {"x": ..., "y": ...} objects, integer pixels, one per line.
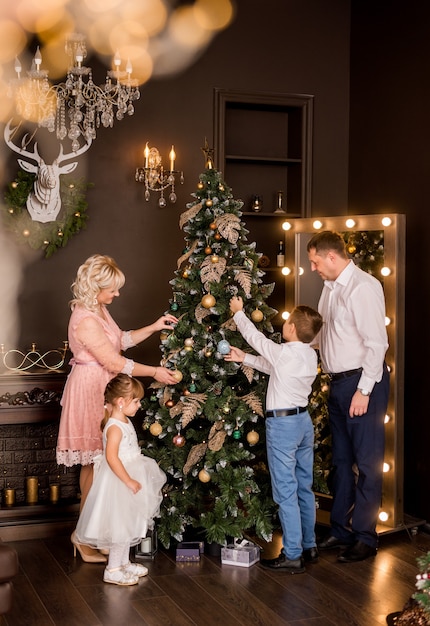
[{"x": 26, "y": 398}]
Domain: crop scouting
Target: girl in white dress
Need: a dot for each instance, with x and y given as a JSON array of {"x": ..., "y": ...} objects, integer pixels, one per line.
[{"x": 126, "y": 493}]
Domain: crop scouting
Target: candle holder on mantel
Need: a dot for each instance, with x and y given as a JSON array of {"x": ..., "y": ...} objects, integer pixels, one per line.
[{"x": 17, "y": 361}]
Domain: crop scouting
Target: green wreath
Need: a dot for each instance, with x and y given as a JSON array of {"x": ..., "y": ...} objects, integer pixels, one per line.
[{"x": 52, "y": 235}]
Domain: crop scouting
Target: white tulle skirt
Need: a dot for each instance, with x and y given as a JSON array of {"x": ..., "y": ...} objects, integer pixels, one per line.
[{"x": 112, "y": 513}]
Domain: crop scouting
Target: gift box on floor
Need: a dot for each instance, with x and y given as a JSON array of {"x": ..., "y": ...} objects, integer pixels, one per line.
[
  {"x": 242, "y": 553},
  {"x": 189, "y": 551}
]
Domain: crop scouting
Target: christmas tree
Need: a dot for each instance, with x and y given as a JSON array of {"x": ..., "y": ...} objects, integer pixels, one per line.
[{"x": 207, "y": 432}]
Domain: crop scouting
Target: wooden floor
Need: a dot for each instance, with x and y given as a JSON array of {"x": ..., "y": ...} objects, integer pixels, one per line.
[{"x": 54, "y": 588}]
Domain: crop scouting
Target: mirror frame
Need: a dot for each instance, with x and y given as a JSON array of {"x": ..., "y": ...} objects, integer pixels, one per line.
[{"x": 394, "y": 290}]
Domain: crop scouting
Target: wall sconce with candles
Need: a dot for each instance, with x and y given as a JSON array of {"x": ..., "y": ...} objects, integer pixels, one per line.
[{"x": 155, "y": 177}]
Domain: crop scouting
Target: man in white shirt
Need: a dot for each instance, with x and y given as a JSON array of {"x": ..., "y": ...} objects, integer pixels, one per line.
[{"x": 353, "y": 342}]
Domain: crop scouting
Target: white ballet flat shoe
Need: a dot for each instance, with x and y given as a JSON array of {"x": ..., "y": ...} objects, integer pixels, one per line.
[
  {"x": 119, "y": 576},
  {"x": 135, "y": 569}
]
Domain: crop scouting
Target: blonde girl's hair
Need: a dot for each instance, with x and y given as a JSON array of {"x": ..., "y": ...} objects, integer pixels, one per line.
[
  {"x": 121, "y": 386},
  {"x": 98, "y": 272}
]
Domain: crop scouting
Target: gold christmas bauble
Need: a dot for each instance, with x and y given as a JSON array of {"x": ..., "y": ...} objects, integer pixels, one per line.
[
  {"x": 213, "y": 226},
  {"x": 204, "y": 476},
  {"x": 208, "y": 250},
  {"x": 155, "y": 429},
  {"x": 252, "y": 437},
  {"x": 189, "y": 341},
  {"x": 209, "y": 202},
  {"x": 257, "y": 315},
  {"x": 214, "y": 258},
  {"x": 217, "y": 236},
  {"x": 208, "y": 352},
  {"x": 185, "y": 273},
  {"x": 208, "y": 301},
  {"x": 200, "y": 185},
  {"x": 170, "y": 403},
  {"x": 177, "y": 375}
]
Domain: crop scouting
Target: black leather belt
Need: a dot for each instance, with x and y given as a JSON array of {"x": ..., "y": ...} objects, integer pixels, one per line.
[
  {"x": 346, "y": 374},
  {"x": 285, "y": 412}
]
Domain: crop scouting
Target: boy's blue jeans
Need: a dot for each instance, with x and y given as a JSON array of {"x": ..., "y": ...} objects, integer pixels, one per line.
[{"x": 290, "y": 453}]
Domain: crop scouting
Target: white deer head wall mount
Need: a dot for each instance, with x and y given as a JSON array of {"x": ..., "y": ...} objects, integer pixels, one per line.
[{"x": 44, "y": 202}]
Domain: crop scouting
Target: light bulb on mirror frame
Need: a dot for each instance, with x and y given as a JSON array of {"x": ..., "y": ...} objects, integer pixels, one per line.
[
  {"x": 385, "y": 271},
  {"x": 286, "y": 225},
  {"x": 350, "y": 223},
  {"x": 286, "y": 271},
  {"x": 386, "y": 221},
  {"x": 317, "y": 224},
  {"x": 383, "y": 516},
  {"x": 285, "y": 315}
]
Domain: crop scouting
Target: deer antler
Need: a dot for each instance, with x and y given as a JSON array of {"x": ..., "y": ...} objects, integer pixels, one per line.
[{"x": 8, "y": 134}]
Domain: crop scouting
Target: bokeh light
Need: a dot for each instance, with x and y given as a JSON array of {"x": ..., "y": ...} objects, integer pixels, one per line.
[{"x": 12, "y": 40}]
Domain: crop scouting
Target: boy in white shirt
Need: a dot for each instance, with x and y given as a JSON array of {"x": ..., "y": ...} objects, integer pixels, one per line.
[{"x": 292, "y": 367}]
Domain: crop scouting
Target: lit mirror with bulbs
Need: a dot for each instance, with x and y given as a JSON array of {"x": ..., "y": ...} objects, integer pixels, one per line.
[{"x": 377, "y": 244}]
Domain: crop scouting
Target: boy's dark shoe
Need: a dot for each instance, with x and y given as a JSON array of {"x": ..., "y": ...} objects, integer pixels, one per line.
[
  {"x": 331, "y": 542},
  {"x": 310, "y": 555},
  {"x": 293, "y": 566}
]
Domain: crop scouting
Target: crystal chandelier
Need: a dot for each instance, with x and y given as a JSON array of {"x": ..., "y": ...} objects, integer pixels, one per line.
[
  {"x": 77, "y": 106},
  {"x": 155, "y": 178}
]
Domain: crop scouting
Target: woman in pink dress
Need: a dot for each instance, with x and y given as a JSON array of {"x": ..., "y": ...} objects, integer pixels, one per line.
[{"x": 96, "y": 342}]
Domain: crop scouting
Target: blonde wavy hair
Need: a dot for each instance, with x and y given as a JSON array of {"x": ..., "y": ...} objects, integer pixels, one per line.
[{"x": 97, "y": 273}]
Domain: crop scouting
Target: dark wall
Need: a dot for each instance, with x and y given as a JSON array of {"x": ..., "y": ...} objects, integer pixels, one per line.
[
  {"x": 290, "y": 46},
  {"x": 389, "y": 170},
  {"x": 293, "y": 46}
]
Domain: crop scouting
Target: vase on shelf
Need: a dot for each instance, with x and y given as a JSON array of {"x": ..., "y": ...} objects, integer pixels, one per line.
[
  {"x": 257, "y": 204},
  {"x": 280, "y": 202}
]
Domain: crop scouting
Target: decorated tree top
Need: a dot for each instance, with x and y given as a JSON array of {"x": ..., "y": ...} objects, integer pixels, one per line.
[{"x": 207, "y": 431}]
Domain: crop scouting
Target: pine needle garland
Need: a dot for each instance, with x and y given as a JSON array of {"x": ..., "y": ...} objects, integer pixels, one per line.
[{"x": 49, "y": 236}]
